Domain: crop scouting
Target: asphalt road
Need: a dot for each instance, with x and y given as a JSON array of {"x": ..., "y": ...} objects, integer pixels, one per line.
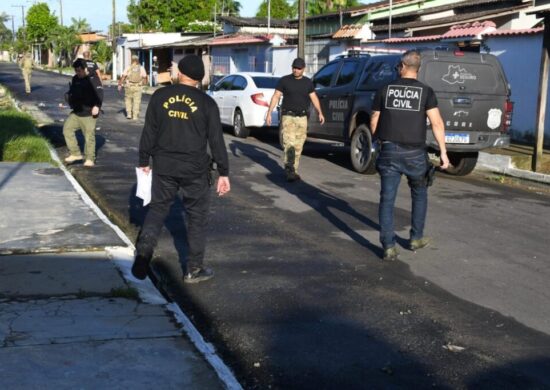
[{"x": 301, "y": 298}]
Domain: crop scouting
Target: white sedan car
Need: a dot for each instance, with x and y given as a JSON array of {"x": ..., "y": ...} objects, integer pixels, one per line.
[{"x": 243, "y": 99}]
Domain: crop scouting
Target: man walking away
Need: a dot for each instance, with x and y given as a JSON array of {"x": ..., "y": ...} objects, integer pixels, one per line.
[
  {"x": 298, "y": 91},
  {"x": 85, "y": 104},
  {"x": 399, "y": 120},
  {"x": 155, "y": 70},
  {"x": 93, "y": 73},
  {"x": 26, "y": 69},
  {"x": 133, "y": 78},
  {"x": 180, "y": 123}
]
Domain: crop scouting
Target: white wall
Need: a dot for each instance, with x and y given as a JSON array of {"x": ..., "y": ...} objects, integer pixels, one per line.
[
  {"x": 282, "y": 59},
  {"x": 520, "y": 58}
]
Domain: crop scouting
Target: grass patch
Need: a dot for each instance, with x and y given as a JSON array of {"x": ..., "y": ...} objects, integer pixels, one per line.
[
  {"x": 125, "y": 292},
  {"x": 19, "y": 142}
]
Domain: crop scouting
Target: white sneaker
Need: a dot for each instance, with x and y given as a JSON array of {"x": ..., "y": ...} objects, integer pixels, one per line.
[
  {"x": 72, "y": 158},
  {"x": 89, "y": 163}
]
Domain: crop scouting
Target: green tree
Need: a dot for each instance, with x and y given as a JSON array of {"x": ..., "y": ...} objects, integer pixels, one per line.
[
  {"x": 228, "y": 7},
  {"x": 167, "y": 16},
  {"x": 102, "y": 52},
  {"x": 63, "y": 41},
  {"x": 6, "y": 35},
  {"x": 80, "y": 25},
  {"x": 317, "y": 7},
  {"x": 40, "y": 22},
  {"x": 122, "y": 28},
  {"x": 280, "y": 9}
]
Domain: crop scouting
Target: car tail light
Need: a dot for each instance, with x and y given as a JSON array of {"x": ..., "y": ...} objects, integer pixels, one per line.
[
  {"x": 259, "y": 99},
  {"x": 459, "y": 53},
  {"x": 508, "y": 111}
]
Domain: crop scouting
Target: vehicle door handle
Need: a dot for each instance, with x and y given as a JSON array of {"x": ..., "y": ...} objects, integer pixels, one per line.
[
  {"x": 462, "y": 100},
  {"x": 323, "y": 96}
]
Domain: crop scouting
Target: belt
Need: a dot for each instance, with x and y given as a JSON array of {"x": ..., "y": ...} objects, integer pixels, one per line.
[{"x": 294, "y": 113}]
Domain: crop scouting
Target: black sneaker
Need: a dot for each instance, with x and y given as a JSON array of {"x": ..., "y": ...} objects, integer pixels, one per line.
[
  {"x": 292, "y": 177},
  {"x": 198, "y": 275},
  {"x": 141, "y": 266}
]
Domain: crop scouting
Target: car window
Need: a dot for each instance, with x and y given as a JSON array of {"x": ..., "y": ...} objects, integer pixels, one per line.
[
  {"x": 239, "y": 83},
  {"x": 347, "y": 73},
  {"x": 380, "y": 74},
  {"x": 324, "y": 76},
  {"x": 466, "y": 75},
  {"x": 265, "y": 82},
  {"x": 225, "y": 84}
]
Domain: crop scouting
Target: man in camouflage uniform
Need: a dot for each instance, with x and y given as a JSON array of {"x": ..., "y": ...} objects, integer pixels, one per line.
[
  {"x": 298, "y": 91},
  {"x": 26, "y": 65},
  {"x": 133, "y": 79}
]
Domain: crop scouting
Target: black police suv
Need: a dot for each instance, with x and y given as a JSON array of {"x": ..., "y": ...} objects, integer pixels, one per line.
[{"x": 471, "y": 88}]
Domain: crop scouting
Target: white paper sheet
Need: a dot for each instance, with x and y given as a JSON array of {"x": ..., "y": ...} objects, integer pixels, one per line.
[{"x": 143, "y": 189}]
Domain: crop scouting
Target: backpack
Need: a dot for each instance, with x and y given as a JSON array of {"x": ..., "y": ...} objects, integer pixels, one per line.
[{"x": 134, "y": 74}]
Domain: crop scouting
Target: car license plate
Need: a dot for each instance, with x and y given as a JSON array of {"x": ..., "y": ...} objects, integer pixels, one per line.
[{"x": 457, "y": 138}]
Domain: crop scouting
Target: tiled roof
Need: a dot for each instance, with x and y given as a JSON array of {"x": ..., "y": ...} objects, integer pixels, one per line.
[
  {"x": 238, "y": 39},
  {"x": 348, "y": 31},
  {"x": 525, "y": 31},
  {"x": 469, "y": 30},
  {"x": 256, "y": 22},
  {"x": 91, "y": 37},
  {"x": 413, "y": 39}
]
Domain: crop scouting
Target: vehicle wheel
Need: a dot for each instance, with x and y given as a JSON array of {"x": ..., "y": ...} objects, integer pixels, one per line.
[
  {"x": 239, "y": 129},
  {"x": 461, "y": 163},
  {"x": 362, "y": 157}
]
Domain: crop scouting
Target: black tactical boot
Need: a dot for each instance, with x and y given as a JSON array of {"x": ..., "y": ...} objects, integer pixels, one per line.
[
  {"x": 144, "y": 254},
  {"x": 291, "y": 174}
]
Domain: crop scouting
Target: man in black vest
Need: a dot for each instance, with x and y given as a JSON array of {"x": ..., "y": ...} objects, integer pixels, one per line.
[{"x": 399, "y": 121}]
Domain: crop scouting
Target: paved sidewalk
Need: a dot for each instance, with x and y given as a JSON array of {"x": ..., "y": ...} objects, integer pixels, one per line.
[{"x": 71, "y": 316}]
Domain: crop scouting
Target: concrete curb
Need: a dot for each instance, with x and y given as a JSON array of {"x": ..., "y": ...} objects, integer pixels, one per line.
[
  {"x": 123, "y": 258},
  {"x": 503, "y": 164}
]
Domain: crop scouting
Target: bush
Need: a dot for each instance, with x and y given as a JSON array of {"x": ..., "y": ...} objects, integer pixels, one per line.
[{"x": 18, "y": 139}]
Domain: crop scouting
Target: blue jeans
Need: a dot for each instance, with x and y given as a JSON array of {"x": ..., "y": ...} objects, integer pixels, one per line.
[{"x": 393, "y": 161}]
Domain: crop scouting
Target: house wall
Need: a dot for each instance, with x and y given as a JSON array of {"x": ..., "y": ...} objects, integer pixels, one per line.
[
  {"x": 239, "y": 58},
  {"x": 282, "y": 59},
  {"x": 520, "y": 58}
]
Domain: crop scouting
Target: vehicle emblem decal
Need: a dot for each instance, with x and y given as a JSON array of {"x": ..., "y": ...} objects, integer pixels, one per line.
[
  {"x": 494, "y": 116},
  {"x": 461, "y": 113},
  {"x": 459, "y": 75}
]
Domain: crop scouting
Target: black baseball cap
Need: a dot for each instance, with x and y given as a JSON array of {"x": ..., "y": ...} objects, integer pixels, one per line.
[{"x": 299, "y": 63}]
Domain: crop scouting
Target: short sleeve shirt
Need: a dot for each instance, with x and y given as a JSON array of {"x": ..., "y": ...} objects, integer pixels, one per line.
[
  {"x": 403, "y": 105},
  {"x": 295, "y": 92}
]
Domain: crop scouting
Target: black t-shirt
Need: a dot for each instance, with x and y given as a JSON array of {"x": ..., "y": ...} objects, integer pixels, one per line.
[
  {"x": 179, "y": 124},
  {"x": 403, "y": 104},
  {"x": 295, "y": 92},
  {"x": 82, "y": 96}
]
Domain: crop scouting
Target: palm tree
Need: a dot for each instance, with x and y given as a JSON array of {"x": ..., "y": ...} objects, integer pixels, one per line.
[{"x": 80, "y": 25}]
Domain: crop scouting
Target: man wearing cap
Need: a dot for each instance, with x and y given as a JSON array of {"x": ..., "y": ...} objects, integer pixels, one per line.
[
  {"x": 180, "y": 123},
  {"x": 133, "y": 79},
  {"x": 93, "y": 73},
  {"x": 298, "y": 91},
  {"x": 85, "y": 103}
]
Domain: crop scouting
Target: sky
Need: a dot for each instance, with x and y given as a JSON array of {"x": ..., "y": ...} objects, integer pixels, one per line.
[{"x": 98, "y": 13}]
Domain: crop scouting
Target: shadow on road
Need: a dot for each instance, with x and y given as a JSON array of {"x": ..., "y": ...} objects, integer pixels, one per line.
[{"x": 321, "y": 201}]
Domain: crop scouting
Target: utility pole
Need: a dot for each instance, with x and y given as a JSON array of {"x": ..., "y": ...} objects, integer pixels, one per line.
[
  {"x": 301, "y": 28},
  {"x": 268, "y": 16},
  {"x": 22, "y": 13},
  {"x": 61, "y": 12},
  {"x": 113, "y": 26},
  {"x": 389, "y": 28},
  {"x": 12, "y": 28}
]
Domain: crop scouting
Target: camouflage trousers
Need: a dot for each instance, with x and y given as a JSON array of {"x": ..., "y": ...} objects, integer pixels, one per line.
[
  {"x": 27, "y": 78},
  {"x": 132, "y": 99},
  {"x": 87, "y": 125},
  {"x": 293, "y": 137}
]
